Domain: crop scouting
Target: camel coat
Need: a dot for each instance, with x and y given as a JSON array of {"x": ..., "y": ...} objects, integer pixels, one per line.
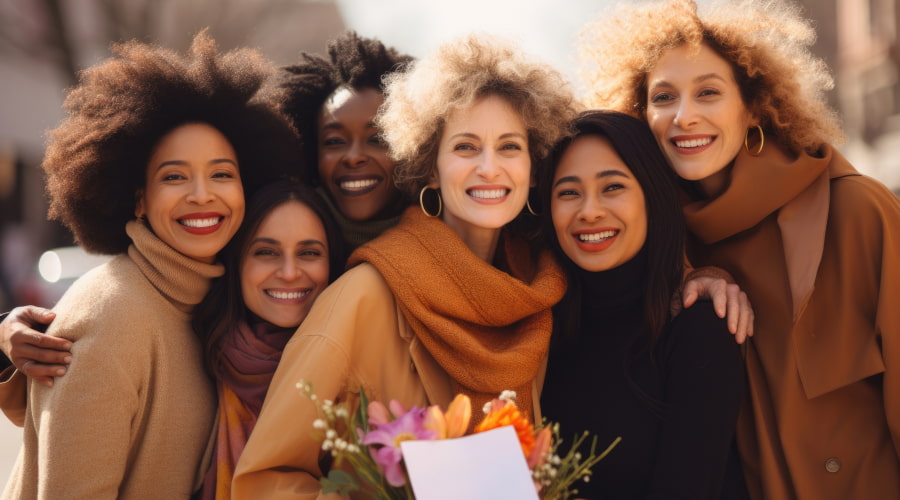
[
  {"x": 816, "y": 246},
  {"x": 355, "y": 333}
]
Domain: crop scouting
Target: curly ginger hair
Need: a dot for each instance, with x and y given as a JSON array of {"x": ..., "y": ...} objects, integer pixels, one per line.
[{"x": 767, "y": 44}]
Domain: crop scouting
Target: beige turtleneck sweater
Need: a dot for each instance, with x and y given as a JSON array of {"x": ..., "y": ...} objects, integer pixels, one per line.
[{"x": 132, "y": 417}]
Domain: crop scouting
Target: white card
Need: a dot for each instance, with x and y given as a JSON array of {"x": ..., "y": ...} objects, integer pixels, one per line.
[{"x": 484, "y": 466}]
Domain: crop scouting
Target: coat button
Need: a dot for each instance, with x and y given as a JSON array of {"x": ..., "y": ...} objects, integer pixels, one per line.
[{"x": 832, "y": 465}]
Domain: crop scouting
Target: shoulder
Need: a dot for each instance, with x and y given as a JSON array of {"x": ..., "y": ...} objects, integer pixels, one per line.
[
  {"x": 360, "y": 285},
  {"x": 359, "y": 300},
  {"x": 108, "y": 300},
  {"x": 855, "y": 194},
  {"x": 699, "y": 328}
]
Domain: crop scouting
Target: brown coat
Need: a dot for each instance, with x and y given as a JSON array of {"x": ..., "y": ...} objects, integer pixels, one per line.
[{"x": 816, "y": 246}]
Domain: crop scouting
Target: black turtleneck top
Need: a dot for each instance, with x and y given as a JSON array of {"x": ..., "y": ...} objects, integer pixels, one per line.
[{"x": 675, "y": 410}]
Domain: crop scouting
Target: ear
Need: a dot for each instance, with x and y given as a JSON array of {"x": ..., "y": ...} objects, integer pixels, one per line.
[
  {"x": 139, "y": 209},
  {"x": 435, "y": 181}
]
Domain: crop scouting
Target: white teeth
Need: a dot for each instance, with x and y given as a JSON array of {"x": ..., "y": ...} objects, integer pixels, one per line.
[
  {"x": 287, "y": 295},
  {"x": 488, "y": 193},
  {"x": 355, "y": 185},
  {"x": 199, "y": 222},
  {"x": 694, "y": 143},
  {"x": 596, "y": 237}
]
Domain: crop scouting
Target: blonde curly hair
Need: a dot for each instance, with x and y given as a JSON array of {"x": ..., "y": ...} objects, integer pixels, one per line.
[
  {"x": 766, "y": 42},
  {"x": 453, "y": 77}
]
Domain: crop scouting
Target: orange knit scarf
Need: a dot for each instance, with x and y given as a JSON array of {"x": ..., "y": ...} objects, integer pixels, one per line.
[{"x": 488, "y": 329}]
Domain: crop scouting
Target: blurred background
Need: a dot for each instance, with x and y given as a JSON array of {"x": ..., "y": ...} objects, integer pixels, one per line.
[{"x": 43, "y": 44}]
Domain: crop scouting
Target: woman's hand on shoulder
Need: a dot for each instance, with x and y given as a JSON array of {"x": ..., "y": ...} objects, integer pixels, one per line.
[
  {"x": 729, "y": 301},
  {"x": 38, "y": 356}
]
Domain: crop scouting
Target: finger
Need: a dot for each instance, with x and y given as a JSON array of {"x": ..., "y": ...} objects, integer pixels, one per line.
[
  {"x": 744, "y": 326},
  {"x": 42, "y": 340},
  {"x": 733, "y": 297},
  {"x": 36, "y": 371},
  {"x": 27, "y": 352},
  {"x": 748, "y": 317},
  {"x": 719, "y": 296},
  {"x": 35, "y": 313},
  {"x": 689, "y": 294}
]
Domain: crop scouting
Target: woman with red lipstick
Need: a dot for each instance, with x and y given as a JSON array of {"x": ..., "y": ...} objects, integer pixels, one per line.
[
  {"x": 333, "y": 102},
  {"x": 286, "y": 252},
  {"x": 150, "y": 165},
  {"x": 737, "y": 104},
  {"x": 452, "y": 299},
  {"x": 620, "y": 364}
]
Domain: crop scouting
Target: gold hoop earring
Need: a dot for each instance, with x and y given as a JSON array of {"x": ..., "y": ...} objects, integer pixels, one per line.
[
  {"x": 422, "y": 202},
  {"x": 762, "y": 141},
  {"x": 528, "y": 206}
]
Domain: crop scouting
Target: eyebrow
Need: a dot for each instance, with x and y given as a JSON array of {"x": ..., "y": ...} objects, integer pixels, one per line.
[
  {"x": 182, "y": 163},
  {"x": 336, "y": 125},
  {"x": 273, "y": 241},
  {"x": 699, "y": 79},
  {"x": 470, "y": 135},
  {"x": 600, "y": 175}
]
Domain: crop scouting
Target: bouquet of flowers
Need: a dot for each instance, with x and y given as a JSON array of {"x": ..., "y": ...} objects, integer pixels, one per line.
[{"x": 369, "y": 440}]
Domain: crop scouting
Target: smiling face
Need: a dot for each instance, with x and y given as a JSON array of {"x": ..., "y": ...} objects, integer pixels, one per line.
[
  {"x": 696, "y": 112},
  {"x": 193, "y": 199},
  {"x": 483, "y": 169},
  {"x": 353, "y": 160},
  {"x": 597, "y": 205},
  {"x": 286, "y": 265}
]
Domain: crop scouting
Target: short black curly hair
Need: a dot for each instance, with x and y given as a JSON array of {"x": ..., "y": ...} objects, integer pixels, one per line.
[
  {"x": 96, "y": 159},
  {"x": 302, "y": 89}
]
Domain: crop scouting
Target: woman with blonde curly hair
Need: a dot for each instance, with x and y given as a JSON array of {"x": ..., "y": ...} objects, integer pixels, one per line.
[
  {"x": 736, "y": 102},
  {"x": 453, "y": 299},
  {"x": 150, "y": 165}
]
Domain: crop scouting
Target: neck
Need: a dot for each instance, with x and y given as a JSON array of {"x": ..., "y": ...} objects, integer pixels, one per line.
[{"x": 481, "y": 241}]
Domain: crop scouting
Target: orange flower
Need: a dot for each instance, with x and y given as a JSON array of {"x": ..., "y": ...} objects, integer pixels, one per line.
[
  {"x": 458, "y": 415},
  {"x": 503, "y": 413}
]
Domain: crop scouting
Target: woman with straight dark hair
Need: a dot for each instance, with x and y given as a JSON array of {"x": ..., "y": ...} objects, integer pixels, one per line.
[
  {"x": 286, "y": 252},
  {"x": 620, "y": 364}
]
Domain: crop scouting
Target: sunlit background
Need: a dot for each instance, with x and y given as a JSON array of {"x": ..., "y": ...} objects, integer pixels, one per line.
[{"x": 43, "y": 43}]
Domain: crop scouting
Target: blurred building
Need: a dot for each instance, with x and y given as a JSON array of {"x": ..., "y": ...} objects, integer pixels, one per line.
[
  {"x": 859, "y": 41},
  {"x": 45, "y": 42}
]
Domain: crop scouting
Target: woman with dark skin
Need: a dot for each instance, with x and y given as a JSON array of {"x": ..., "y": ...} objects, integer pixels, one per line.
[
  {"x": 151, "y": 166},
  {"x": 332, "y": 103}
]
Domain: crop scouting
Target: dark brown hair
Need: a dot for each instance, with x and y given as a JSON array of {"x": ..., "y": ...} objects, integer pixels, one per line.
[{"x": 96, "y": 158}]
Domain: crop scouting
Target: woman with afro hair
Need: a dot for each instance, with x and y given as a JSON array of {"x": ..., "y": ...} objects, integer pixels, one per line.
[
  {"x": 332, "y": 103},
  {"x": 150, "y": 165},
  {"x": 737, "y": 103}
]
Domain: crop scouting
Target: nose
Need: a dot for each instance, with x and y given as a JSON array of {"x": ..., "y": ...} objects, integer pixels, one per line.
[
  {"x": 200, "y": 192},
  {"x": 289, "y": 270},
  {"x": 356, "y": 155},
  {"x": 488, "y": 167},
  {"x": 592, "y": 210},
  {"x": 686, "y": 115}
]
